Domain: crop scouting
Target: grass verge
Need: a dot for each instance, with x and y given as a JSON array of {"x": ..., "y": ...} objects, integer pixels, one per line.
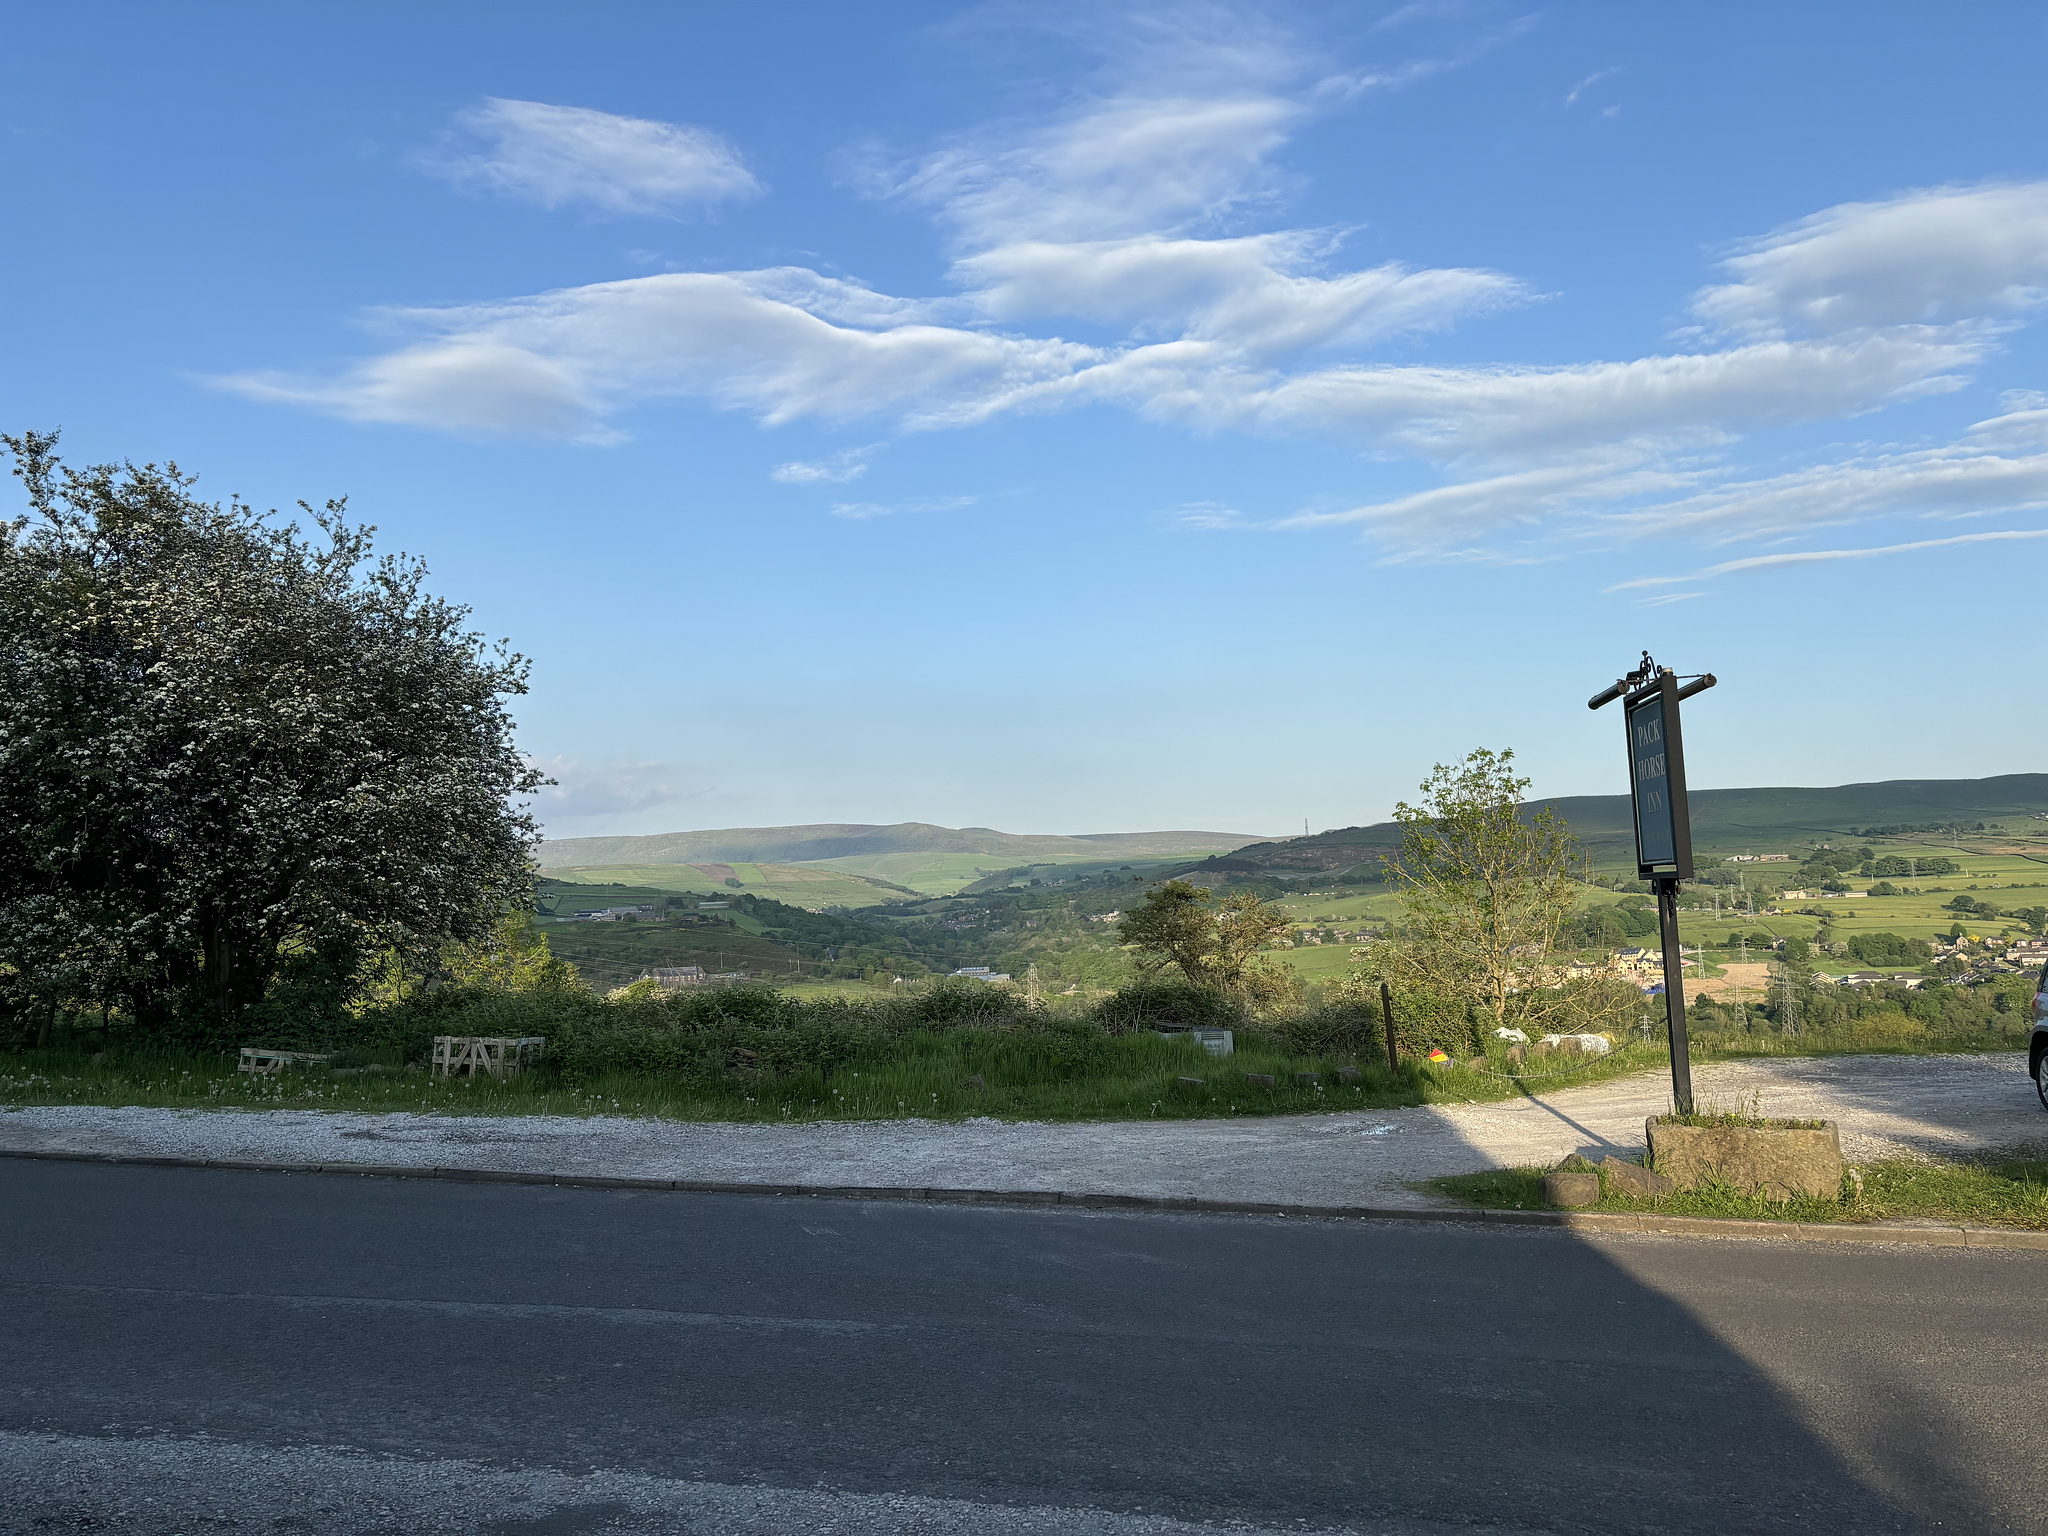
[
  {"x": 924, "y": 1076},
  {"x": 1993, "y": 1189},
  {"x": 1025, "y": 1074}
]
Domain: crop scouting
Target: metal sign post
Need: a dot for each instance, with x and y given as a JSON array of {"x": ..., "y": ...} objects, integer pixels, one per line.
[{"x": 1650, "y": 697}]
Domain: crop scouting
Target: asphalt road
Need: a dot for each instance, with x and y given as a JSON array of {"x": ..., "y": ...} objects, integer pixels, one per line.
[{"x": 187, "y": 1351}]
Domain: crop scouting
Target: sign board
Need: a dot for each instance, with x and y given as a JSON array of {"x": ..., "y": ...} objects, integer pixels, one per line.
[{"x": 1656, "y": 774}]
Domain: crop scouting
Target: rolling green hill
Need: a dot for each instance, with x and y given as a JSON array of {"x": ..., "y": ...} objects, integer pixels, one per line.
[
  {"x": 1724, "y": 821},
  {"x": 856, "y": 842}
]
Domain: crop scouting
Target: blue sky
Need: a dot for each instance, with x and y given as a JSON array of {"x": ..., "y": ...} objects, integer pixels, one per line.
[{"x": 1080, "y": 419}]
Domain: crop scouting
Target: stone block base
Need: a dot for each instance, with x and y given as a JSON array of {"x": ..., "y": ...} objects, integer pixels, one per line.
[{"x": 1778, "y": 1162}]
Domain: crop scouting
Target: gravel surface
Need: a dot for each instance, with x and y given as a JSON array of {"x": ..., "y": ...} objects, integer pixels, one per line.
[{"x": 1885, "y": 1105}]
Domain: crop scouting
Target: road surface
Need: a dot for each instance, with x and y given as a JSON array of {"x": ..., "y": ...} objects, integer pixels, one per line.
[{"x": 191, "y": 1351}]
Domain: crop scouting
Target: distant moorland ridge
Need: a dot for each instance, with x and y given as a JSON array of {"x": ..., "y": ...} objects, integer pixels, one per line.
[
  {"x": 838, "y": 840},
  {"x": 1724, "y": 821}
]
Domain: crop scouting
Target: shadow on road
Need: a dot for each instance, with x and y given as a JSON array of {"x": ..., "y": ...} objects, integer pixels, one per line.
[{"x": 1261, "y": 1370}]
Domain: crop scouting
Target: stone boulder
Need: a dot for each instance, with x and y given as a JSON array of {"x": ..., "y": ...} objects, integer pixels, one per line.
[
  {"x": 1571, "y": 1189},
  {"x": 1626, "y": 1178}
]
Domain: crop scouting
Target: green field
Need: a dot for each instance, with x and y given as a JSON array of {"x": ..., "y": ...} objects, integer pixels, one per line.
[
  {"x": 944, "y": 874},
  {"x": 1317, "y": 962},
  {"x": 611, "y": 955},
  {"x": 815, "y": 886},
  {"x": 2009, "y": 879},
  {"x": 557, "y": 899},
  {"x": 2017, "y": 877}
]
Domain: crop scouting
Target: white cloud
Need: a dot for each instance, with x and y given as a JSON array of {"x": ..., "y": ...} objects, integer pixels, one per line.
[
  {"x": 561, "y": 363},
  {"x": 1925, "y": 257},
  {"x": 608, "y": 789},
  {"x": 1118, "y": 169},
  {"x": 1209, "y": 515},
  {"x": 1945, "y": 482},
  {"x": 1471, "y": 509},
  {"x": 1128, "y": 217},
  {"x": 1572, "y": 97},
  {"x": 861, "y": 511},
  {"x": 1259, "y": 293},
  {"x": 1422, "y": 10},
  {"x": 1449, "y": 414},
  {"x": 850, "y": 464},
  {"x": 556, "y": 156},
  {"x": 1818, "y": 556}
]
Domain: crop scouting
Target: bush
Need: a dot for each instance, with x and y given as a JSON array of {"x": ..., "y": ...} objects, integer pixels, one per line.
[
  {"x": 1147, "y": 1003},
  {"x": 1347, "y": 1024}
]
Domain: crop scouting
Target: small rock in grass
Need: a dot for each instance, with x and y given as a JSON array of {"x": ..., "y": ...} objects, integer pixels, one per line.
[
  {"x": 1569, "y": 1190},
  {"x": 975, "y": 1082},
  {"x": 1347, "y": 1074},
  {"x": 1258, "y": 1079},
  {"x": 1634, "y": 1178},
  {"x": 1575, "y": 1164},
  {"x": 1307, "y": 1079},
  {"x": 1188, "y": 1082},
  {"x": 1477, "y": 1063}
]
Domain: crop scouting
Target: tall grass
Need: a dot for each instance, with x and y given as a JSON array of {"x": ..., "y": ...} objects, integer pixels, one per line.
[
  {"x": 946, "y": 1051},
  {"x": 935, "y": 1074}
]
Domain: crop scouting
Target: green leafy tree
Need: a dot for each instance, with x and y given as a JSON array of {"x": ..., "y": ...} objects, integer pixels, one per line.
[
  {"x": 1890, "y": 949},
  {"x": 1211, "y": 942},
  {"x": 1488, "y": 891},
  {"x": 513, "y": 957},
  {"x": 233, "y": 754}
]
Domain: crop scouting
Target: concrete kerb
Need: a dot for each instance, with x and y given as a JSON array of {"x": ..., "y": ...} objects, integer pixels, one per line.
[{"x": 1594, "y": 1222}]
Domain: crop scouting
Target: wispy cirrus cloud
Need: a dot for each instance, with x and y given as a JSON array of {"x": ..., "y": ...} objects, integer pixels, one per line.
[
  {"x": 563, "y": 156},
  {"x": 563, "y": 364},
  {"x": 861, "y": 511},
  {"x": 1821, "y": 556},
  {"x": 1126, "y": 251},
  {"x": 1934, "y": 257},
  {"x": 840, "y": 468},
  {"x": 1074, "y": 218},
  {"x": 1572, "y": 96}
]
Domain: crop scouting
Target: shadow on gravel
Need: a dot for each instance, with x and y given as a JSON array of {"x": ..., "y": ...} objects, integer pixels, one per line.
[{"x": 1263, "y": 1370}]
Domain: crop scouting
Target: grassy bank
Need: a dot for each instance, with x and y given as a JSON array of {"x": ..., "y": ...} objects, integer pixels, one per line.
[
  {"x": 939, "y": 1051},
  {"x": 926, "y": 1075},
  {"x": 1996, "y": 1189}
]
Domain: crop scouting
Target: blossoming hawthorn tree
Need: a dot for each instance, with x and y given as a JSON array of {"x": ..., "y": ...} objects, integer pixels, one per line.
[{"x": 233, "y": 754}]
